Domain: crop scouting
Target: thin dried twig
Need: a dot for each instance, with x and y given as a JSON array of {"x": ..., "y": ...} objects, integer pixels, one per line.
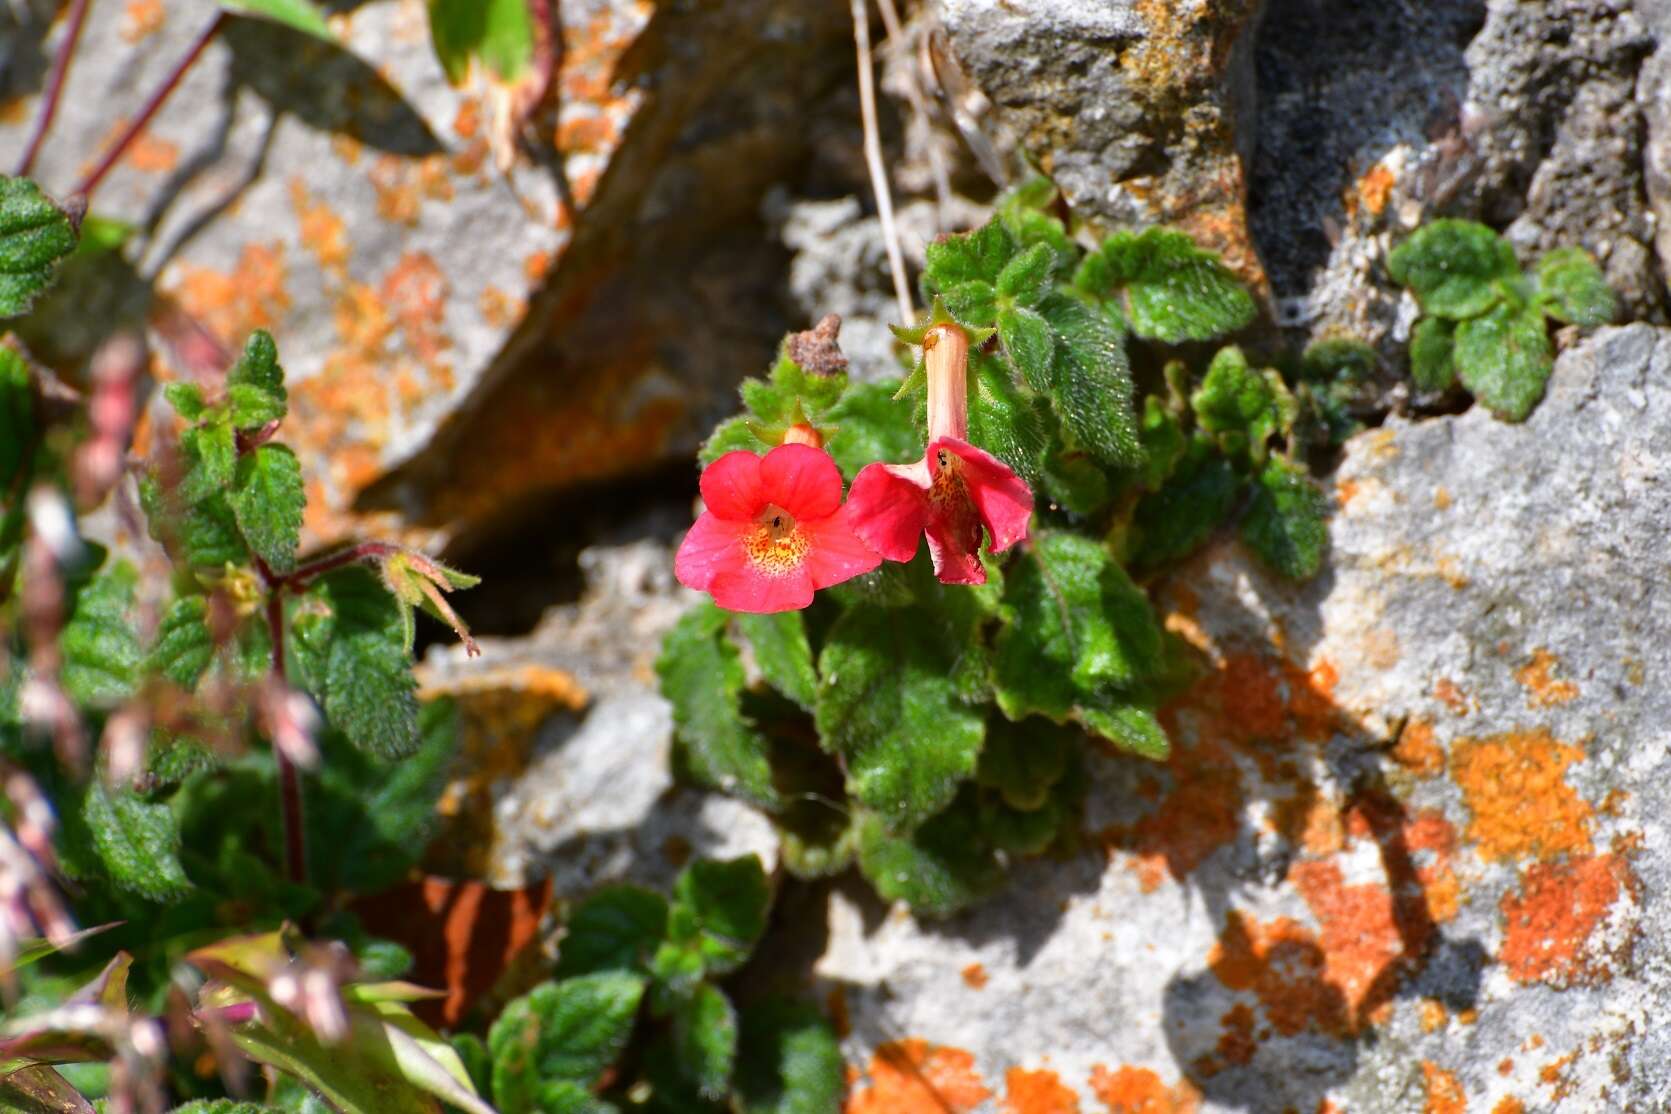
[
  {"x": 873, "y": 160},
  {"x": 901, "y": 45}
]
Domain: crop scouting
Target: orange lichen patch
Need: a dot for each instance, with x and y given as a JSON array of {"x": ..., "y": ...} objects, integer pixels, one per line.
[
  {"x": 1130, "y": 1090},
  {"x": 1549, "y": 925},
  {"x": 1428, "y": 831},
  {"x": 1281, "y": 964},
  {"x": 1508, "y": 1104},
  {"x": 1515, "y": 786},
  {"x": 1250, "y": 689},
  {"x": 974, "y": 976},
  {"x": 587, "y": 134},
  {"x": 1433, "y": 1015},
  {"x": 1446, "y": 692},
  {"x": 1345, "y": 491},
  {"x": 467, "y": 121},
  {"x": 232, "y": 305},
  {"x": 324, "y": 234},
  {"x": 152, "y": 155},
  {"x": 141, "y": 19},
  {"x": 500, "y": 309},
  {"x": 1543, "y": 690},
  {"x": 536, "y": 265},
  {"x": 1374, "y": 188},
  {"x": 1235, "y": 1042},
  {"x": 1361, "y": 939},
  {"x": 1417, "y": 751},
  {"x": 415, "y": 291},
  {"x": 1441, "y": 498},
  {"x": 403, "y": 185},
  {"x": 915, "y": 1077},
  {"x": 1037, "y": 1092},
  {"x": 1444, "y": 1092}
]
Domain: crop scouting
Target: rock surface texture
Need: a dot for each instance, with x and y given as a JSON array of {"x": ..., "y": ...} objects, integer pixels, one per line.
[{"x": 1411, "y": 852}]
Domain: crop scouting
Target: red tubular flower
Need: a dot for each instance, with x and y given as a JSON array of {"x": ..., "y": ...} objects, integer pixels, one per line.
[
  {"x": 952, "y": 492},
  {"x": 773, "y": 532}
]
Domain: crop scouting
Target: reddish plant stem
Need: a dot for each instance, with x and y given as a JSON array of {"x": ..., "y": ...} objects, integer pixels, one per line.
[
  {"x": 54, "y": 86},
  {"x": 139, "y": 122},
  {"x": 290, "y": 778},
  {"x": 318, "y": 567}
]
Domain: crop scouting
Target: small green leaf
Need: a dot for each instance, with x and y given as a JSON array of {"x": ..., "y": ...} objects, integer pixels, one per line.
[
  {"x": 618, "y": 928},
  {"x": 211, "y": 455},
  {"x": 889, "y": 706},
  {"x": 1171, "y": 290},
  {"x": 1077, "y": 629},
  {"x": 1023, "y": 761},
  {"x": 1504, "y": 358},
  {"x": 1237, "y": 398},
  {"x": 1131, "y": 727},
  {"x": 138, "y": 844},
  {"x": 267, "y": 500},
  {"x": 973, "y": 303},
  {"x": 702, "y": 677},
  {"x": 1287, "y": 525},
  {"x": 870, "y": 425},
  {"x": 781, "y": 651},
  {"x": 500, "y": 33},
  {"x": 559, "y": 1032},
  {"x": 351, "y": 653},
  {"x": 731, "y": 435},
  {"x": 17, "y": 415},
  {"x": 255, "y": 384},
  {"x": 208, "y": 535},
  {"x": 719, "y": 911},
  {"x": 1023, "y": 211},
  {"x": 1164, "y": 442},
  {"x": 705, "y": 1040},
  {"x": 1571, "y": 288},
  {"x": 1026, "y": 279},
  {"x": 1029, "y": 344},
  {"x": 35, "y": 235},
  {"x": 977, "y": 256},
  {"x": 1432, "y": 354},
  {"x": 101, "y": 649},
  {"x": 184, "y": 646},
  {"x": 939, "y": 868},
  {"x": 300, "y": 15},
  {"x": 1004, "y": 419},
  {"x": 1090, "y": 382},
  {"x": 789, "y": 1061},
  {"x": 1171, "y": 523},
  {"x": 1453, "y": 266},
  {"x": 186, "y": 399}
]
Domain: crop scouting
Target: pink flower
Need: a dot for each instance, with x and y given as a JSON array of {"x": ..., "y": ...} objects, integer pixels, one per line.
[
  {"x": 953, "y": 492},
  {"x": 773, "y": 532}
]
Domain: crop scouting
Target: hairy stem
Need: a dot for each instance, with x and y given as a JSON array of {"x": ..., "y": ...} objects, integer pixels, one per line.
[
  {"x": 290, "y": 778},
  {"x": 348, "y": 555},
  {"x": 54, "y": 86},
  {"x": 138, "y": 123}
]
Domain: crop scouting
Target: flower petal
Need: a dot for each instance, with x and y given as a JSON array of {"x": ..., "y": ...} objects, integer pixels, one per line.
[
  {"x": 747, "y": 588},
  {"x": 836, "y": 553},
  {"x": 954, "y": 562},
  {"x": 1004, "y": 500},
  {"x": 712, "y": 546},
  {"x": 887, "y": 507},
  {"x": 802, "y": 480},
  {"x": 731, "y": 487}
]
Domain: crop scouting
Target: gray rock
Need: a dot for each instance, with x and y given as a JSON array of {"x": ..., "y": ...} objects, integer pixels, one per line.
[{"x": 1413, "y": 844}]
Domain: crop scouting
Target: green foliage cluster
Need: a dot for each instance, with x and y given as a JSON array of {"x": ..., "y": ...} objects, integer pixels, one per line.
[
  {"x": 1484, "y": 319},
  {"x": 928, "y": 734},
  {"x": 635, "y": 1018}
]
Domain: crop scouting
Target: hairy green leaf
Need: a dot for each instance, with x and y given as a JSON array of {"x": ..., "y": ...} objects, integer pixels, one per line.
[
  {"x": 1504, "y": 358},
  {"x": 1287, "y": 524},
  {"x": 1090, "y": 382},
  {"x": 1571, "y": 288},
  {"x": 1237, "y": 398},
  {"x": 351, "y": 654},
  {"x": 223, "y": 1106},
  {"x": 719, "y": 912},
  {"x": 888, "y": 704},
  {"x": 1023, "y": 760},
  {"x": 618, "y": 928},
  {"x": 977, "y": 256},
  {"x": 1432, "y": 352},
  {"x": 35, "y": 235},
  {"x": 870, "y": 425},
  {"x": 1454, "y": 267},
  {"x": 705, "y": 1039},
  {"x": 973, "y": 304},
  {"x": 300, "y": 15},
  {"x": 783, "y": 654},
  {"x": 789, "y": 1061},
  {"x": 184, "y": 646},
  {"x": 1026, "y": 279},
  {"x": 1171, "y": 290},
  {"x": 567, "y": 1031},
  {"x": 1023, "y": 211},
  {"x": 1132, "y": 727},
  {"x": 1164, "y": 443},
  {"x": 702, "y": 677},
  {"x": 138, "y": 844},
  {"x": 1004, "y": 419},
  {"x": 938, "y": 868},
  {"x": 1171, "y": 523},
  {"x": 1029, "y": 345},
  {"x": 255, "y": 384},
  {"x": 101, "y": 649},
  {"x": 210, "y": 451}
]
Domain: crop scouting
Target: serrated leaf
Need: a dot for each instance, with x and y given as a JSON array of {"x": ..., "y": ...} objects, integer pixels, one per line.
[
  {"x": 1172, "y": 522},
  {"x": 731, "y": 435},
  {"x": 702, "y": 677},
  {"x": 783, "y": 654},
  {"x": 561, "y": 1032},
  {"x": 1287, "y": 524},
  {"x": 1237, "y": 398},
  {"x": 938, "y": 868},
  {"x": 300, "y": 15},
  {"x": 138, "y": 844},
  {"x": 789, "y": 1061},
  {"x": 1022, "y": 761},
  {"x": 1005, "y": 420},
  {"x": 208, "y": 535},
  {"x": 210, "y": 451},
  {"x": 1029, "y": 344},
  {"x": 618, "y": 928},
  {"x": 1131, "y": 727},
  {"x": 977, "y": 256},
  {"x": 184, "y": 647},
  {"x": 1026, "y": 278},
  {"x": 1164, "y": 443},
  {"x": 1090, "y": 382},
  {"x": 255, "y": 384},
  {"x": 500, "y": 33},
  {"x": 350, "y": 653},
  {"x": 973, "y": 304},
  {"x": 1504, "y": 358},
  {"x": 35, "y": 235},
  {"x": 1453, "y": 267},
  {"x": 1022, "y": 213},
  {"x": 888, "y": 704},
  {"x": 268, "y": 500},
  {"x": 186, "y": 399},
  {"x": 1432, "y": 354},
  {"x": 869, "y": 426},
  {"x": 1571, "y": 288},
  {"x": 718, "y": 911},
  {"x": 1077, "y": 629},
  {"x": 705, "y": 1040},
  {"x": 1170, "y": 289},
  {"x": 100, "y": 647}
]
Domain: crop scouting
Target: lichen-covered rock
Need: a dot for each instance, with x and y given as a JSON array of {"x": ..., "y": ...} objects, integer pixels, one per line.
[
  {"x": 564, "y": 769},
  {"x": 1411, "y": 850}
]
